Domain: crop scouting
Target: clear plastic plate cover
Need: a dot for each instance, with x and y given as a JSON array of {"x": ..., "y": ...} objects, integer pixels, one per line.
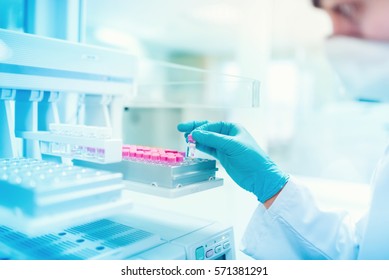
[{"x": 162, "y": 84}]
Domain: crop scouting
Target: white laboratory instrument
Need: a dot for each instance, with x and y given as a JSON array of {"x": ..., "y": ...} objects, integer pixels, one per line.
[
  {"x": 61, "y": 108},
  {"x": 143, "y": 233}
]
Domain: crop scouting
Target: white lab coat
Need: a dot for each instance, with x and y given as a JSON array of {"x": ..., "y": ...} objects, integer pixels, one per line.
[{"x": 294, "y": 227}]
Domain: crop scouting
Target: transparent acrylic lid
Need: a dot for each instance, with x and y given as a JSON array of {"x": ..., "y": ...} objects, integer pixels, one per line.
[{"x": 162, "y": 84}]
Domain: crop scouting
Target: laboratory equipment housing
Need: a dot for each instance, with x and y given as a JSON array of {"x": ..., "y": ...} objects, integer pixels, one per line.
[{"x": 64, "y": 183}]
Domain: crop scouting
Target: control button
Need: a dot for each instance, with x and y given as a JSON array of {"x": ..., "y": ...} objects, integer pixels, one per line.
[
  {"x": 209, "y": 253},
  {"x": 200, "y": 253},
  {"x": 226, "y": 245},
  {"x": 218, "y": 249}
]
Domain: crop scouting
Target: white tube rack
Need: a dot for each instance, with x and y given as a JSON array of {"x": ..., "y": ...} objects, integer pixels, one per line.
[{"x": 89, "y": 149}]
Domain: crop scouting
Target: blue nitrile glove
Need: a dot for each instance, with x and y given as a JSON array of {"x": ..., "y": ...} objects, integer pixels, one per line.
[{"x": 240, "y": 155}]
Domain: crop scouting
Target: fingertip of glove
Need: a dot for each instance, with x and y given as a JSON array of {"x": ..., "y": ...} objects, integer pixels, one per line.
[
  {"x": 196, "y": 134},
  {"x": 185, "y": 127}
]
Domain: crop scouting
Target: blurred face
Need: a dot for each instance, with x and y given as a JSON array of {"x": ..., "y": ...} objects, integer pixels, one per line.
[{"x": 366, "y": 19}]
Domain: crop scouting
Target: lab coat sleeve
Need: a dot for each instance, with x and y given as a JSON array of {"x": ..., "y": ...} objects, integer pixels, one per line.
[{"x": 294, "y": 227}]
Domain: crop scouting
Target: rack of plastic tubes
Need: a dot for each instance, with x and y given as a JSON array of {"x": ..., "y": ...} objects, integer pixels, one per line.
[
  {"x": 90, "y": 143},
  {"x": 162, "y": 172},
  {"x": 152, "y": 155},
  {"x": 166, "y": 172}
]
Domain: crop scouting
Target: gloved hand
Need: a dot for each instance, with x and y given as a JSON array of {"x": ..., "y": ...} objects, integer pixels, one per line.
[{"x": 242, "y": 158}]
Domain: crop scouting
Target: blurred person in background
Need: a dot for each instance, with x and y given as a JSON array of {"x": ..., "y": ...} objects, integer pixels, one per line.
[{"x": 288, "y": 224}]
